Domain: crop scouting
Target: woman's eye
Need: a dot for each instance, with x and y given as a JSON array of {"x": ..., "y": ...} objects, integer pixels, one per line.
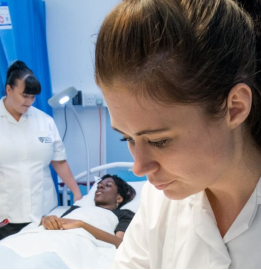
[
  {"x": 159, "y": 144},
  {"x": 130, "y": 140},
  {"x": 28, "y": 96}
]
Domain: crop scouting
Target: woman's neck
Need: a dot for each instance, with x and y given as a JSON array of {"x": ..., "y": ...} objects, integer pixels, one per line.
[
  {"x": 229, "y": 195},
  {"x": 16, "y": 115},
  {"x": 239, "y": 181},
  {"x": 105, "y": 206}
]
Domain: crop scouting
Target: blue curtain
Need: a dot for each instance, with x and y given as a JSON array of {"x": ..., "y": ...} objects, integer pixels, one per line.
[
  {"x": 26, "y": 41},
  {"x": 3, "y": 68},
  {"x": 28, "y": 38}
]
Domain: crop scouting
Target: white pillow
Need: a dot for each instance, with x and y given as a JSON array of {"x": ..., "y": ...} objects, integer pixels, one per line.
[
  {"x": 88, "y": 199},
  {"x": 135, "y": 203}
]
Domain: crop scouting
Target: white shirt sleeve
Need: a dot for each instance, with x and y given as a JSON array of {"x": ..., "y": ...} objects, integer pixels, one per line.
[
  {"x": 59, "y": 150},
  {"x": 133, "y": 251}
]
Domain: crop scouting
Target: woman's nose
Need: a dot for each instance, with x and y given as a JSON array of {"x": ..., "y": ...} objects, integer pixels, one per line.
[
  {"x": 29, "y": 100},
  {"x": 144, "y": 163},
  {"x": 100, "y": 186}
]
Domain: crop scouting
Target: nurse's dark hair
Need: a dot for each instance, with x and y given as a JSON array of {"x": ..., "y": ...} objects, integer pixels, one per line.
[
  {"x": 126, "y": 191},
  {"x": 184, "y": 51},
  {"x": 19, "y": 70}
]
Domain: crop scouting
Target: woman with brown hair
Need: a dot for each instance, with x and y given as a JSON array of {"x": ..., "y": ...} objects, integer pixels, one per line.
[{"x": 182, "y": 82}]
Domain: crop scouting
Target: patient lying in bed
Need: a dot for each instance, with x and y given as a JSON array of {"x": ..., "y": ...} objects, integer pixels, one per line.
[{"x": 84, "y": 237}]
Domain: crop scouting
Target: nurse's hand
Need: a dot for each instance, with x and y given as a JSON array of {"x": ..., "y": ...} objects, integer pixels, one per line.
[
  {"x": 51, "y": 223},
  {"x": 70, "y": 223},
  {"x": 77, "y": 196}
]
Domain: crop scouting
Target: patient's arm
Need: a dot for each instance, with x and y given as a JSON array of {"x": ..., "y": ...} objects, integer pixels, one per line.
[
  {"x": 55, "y": 223},
  {"x": 97, "y": 233},
  {"x": 120, "y": 234}
]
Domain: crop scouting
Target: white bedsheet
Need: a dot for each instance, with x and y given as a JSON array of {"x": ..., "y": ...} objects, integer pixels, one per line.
[
  {"x": 46, "y": 260},
  {"x": 76, "y": 247}
]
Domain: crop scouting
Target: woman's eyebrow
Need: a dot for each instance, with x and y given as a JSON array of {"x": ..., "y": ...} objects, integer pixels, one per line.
[
  {"x": 152, "y": 131},
  {"x": 107, "y": 182}
]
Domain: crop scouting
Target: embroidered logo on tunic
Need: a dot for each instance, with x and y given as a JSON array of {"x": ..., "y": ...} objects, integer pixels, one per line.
[{"x": 45, "y": 139}]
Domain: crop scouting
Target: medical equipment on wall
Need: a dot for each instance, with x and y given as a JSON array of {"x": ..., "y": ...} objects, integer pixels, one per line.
[{"x": 61, "y": 99}]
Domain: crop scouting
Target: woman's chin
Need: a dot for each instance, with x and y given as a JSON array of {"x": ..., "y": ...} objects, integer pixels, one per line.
[{"x": 175, "y": 195}]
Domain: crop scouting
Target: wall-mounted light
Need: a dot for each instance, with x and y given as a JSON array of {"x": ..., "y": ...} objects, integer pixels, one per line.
[
  {"x": 60, "y": 100},
  {"x": 63, "y": 97}
]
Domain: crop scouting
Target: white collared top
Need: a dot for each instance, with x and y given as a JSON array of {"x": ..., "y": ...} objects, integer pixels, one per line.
[
  {"x": 183, "y": 234},
  {"x": 27, "y": 147}
]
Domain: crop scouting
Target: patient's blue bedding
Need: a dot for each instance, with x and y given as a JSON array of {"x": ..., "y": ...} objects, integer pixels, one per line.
[{"x": 47, "y": 260}]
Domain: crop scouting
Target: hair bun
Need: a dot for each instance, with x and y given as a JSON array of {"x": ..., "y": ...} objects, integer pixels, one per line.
[
  {"x": 253, "y": 8},
  {"x": 17, "y": 65}
]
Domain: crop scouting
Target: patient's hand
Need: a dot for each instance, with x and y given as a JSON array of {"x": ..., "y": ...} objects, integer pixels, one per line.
[
  {"x": 70, "y": 223},
  {"x": 52, "y": 223}
]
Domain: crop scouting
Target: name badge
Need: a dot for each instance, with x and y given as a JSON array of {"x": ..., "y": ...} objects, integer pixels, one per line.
[{"x": 45, "y": 139}]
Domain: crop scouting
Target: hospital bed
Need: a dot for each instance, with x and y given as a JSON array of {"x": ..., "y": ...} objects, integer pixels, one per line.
[{"x": 33, "y": 247}]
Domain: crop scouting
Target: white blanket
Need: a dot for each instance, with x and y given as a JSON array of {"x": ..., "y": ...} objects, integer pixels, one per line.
[{"x": 76, "y": 247}]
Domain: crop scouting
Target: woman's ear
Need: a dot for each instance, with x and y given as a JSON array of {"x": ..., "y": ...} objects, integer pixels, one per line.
[
  {"x": 8, "y": 88},
  {"x": 119, "y": 199},
  {"x": 239, "y": 103}
]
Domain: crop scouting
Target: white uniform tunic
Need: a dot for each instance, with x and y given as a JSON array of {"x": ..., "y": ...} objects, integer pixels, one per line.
[
  {"x": 183, "y": 234},
  {"x": 26, "y": 149}
]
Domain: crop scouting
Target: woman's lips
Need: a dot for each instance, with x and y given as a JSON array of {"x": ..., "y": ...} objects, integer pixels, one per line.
[{"x": 163, "y": 186}]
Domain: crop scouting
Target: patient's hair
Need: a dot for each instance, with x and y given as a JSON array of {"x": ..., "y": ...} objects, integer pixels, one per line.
[
  {"x": 183, "y": 51},
  {"x": 19, "y": 71},
  {"x": 125, "y": 190}
]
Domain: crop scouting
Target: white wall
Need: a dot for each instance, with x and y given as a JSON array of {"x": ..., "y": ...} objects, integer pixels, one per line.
[{"x": 72, "y": 27}]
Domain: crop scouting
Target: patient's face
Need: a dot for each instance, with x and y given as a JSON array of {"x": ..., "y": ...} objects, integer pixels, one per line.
[
  {"x": 106, "y": 193},
  {"x": 179, "y": 148}
]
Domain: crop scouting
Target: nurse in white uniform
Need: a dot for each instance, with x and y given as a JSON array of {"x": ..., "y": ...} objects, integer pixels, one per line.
[
  {"x": 182, "y": 81},
  {"x": 29, "y": 143}
]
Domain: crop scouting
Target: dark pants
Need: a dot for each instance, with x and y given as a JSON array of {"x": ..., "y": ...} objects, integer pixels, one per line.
[{"x": 11, "y": 228}]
